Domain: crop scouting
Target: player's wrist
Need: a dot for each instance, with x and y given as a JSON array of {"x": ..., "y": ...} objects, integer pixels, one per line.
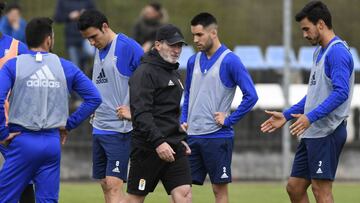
[
  {"x": 227, "y": 122},
  {"x": 158, "y": 142},
  {"x": 287, "y": 115}
]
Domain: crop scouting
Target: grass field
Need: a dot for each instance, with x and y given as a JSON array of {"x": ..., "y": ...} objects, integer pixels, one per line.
[{"x": 239, "y": 193}]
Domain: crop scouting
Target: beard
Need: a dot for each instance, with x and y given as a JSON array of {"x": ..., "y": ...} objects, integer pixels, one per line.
[
  {"x": 315, "y": 40},
  {"x": 168, "y": 58},
  {"x": 207, "y": 46}
]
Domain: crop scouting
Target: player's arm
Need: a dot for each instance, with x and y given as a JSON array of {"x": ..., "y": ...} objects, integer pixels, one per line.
[
  {"x": 340, "y": 68},
  {"x": 7, "y": 78},
  {"x": 128, "y": 59},
  {"x": 297, "y": 108},
  {"x": 185, "y": 107},
  {"x": 278, "y": 119},
  {"x": 235, "y": 73},
  {"x": 77, "y": 81}
]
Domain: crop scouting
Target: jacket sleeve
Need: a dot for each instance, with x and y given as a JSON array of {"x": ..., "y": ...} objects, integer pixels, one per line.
[{"x": 142, "y": 92}]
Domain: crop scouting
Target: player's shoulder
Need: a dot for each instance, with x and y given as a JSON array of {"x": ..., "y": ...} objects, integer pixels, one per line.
[
  {"x": 232, "y": 59},
  {"x": 192, "y": 58},
  {"x": 67, "y": 65},
  {"x": 22, "y": 48},
  {"x": 125, "y": 41},
  {"x": 339, "y": 51},
  {"x": 11, "y": 62},
  {"x": 64, "y": 61},
  {"x": 6, "y": 37},
  {"x": 340, "y": 47}
]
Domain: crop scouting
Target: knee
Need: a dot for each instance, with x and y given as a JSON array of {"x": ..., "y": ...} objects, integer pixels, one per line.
[
  {"x": 182, "y": 193},
  {"x": 111, "y": 184},
  {"x": 185, "y": 191},
  {"x": 187, "y": 194},
  {"x": 316, "y": 190},
  {"x": 220, "y": 190},
  {"x": 321, "y": 192},
  {"x": 294, "y": 190}
]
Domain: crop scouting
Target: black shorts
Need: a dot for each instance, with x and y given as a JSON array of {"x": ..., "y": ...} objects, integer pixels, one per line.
[{"x": 146, "y": 169}]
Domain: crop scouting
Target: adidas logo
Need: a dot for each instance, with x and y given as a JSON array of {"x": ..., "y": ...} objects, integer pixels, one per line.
[
  {"x": 171, "y": 83},
  {"x": 116, "y": 170},
  {"x": 224, "y": 176},
  {"x": 102, "y": 77},
  {"x": 319, "y": 171},
  {"x": 43, "y": 78}
]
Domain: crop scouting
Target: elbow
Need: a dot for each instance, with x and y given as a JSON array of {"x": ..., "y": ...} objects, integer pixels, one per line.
[
  {"x": 343, "y": 95},
  {"x": 254, "y": 98},
  {"x": 97, "y": 101}
]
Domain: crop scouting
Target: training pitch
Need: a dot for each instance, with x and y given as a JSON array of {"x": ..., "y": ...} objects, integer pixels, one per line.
[{"x": 242, "y": 192}]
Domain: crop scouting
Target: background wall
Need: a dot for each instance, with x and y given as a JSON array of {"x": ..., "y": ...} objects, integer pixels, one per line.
[{"x": 241, "y": 21}]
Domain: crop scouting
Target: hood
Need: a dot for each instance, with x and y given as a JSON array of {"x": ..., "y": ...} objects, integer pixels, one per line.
[{"x": 153, "y": 57}]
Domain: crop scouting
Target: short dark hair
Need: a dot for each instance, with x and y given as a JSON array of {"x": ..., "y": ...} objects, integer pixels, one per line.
[
  {"x": 314, "y": 11},
  {"x": 11, "y": 6},
  {"x": 37, "y": 30},
  {"x": 204, "y": 19},
  {"x": 92, "y": 18}
]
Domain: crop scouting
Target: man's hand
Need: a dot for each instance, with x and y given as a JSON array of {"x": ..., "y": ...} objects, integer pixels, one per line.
[
  {"x": 302, "y": 123},
  {"x": 219, "y": 118},
  {"x": 165, "y": 152},
  {"x": 63, "y": 135},
  {"x": 184, "y": 127},
  {"x": 276, "y": 120},
  {"x": 187, "y": 148},
  {"x": 123, "y": 112},
  {"x": 9, "y": 138}
]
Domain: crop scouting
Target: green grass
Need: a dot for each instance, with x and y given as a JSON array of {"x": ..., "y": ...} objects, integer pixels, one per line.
[{"x": 244, "y": 192}]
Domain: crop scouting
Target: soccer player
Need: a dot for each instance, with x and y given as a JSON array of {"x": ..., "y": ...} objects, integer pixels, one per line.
[
  {"x": 321, "y": 114},
  {"x": 212, "y": 77},
  {"x": 116, "y": 57},
  {"x": 40, "y": 83},
  {"x": 9, "y": 48},
  {"x": 158, "y": 149}
]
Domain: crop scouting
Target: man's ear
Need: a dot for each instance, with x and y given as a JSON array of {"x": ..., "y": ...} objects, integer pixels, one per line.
[
  {"x": 320, "y": 24},
  {"x": 157, "y": 45},
  {"x": 104, "y": 27}
]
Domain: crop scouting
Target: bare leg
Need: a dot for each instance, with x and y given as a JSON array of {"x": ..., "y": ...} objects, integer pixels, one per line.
[
  {"x": 181, "y": 194},
  {"x": 112, "y": 188},
  {"x": 322, "y": 190},
  {"x": 130, "y": 198},
  {"x": 297, "y": 189},
  {"x": 221, "y": 193}
]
